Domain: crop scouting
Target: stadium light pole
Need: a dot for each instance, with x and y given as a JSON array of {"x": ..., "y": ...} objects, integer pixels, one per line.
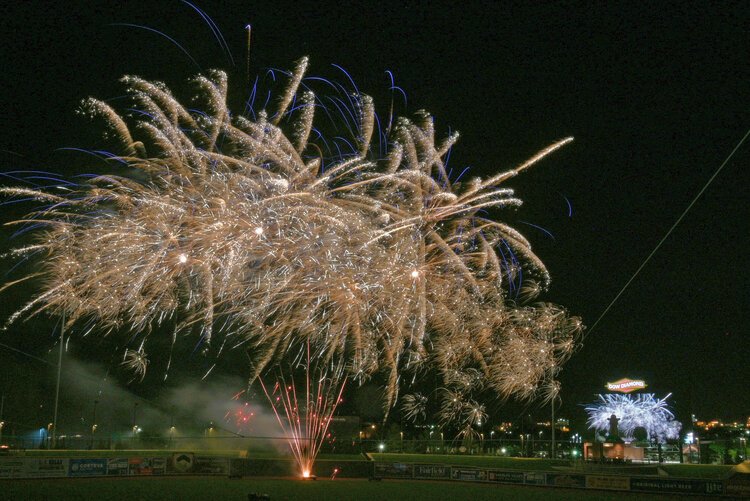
[
  {"x": 93, "y": 423},
  {"x": 553, "y": 428},
  {"x": 57, "y": 387},
  {"x": 2, "y": 423},
  {"x": 135, "y": 408}
]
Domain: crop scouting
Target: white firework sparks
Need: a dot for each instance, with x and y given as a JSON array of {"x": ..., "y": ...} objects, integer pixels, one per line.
[
  {"x": 243, "y": 230},
  {"x": 639, "y": 411}
]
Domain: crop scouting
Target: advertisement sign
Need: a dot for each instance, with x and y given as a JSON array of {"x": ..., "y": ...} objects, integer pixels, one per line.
[
  {"x": 210, "y": 465},
  {"x": 535, "y": 478},
  {"x": 45, "y": 468},
  {"x": 181, "y": 462},
  {"x": 187, "y": 462},
  {"x": 468, "y": 474},
  {"x": 608, "y": 482},
  {"x": 676, "y": 486},
  {"x": 436, "y": 471},
  {"x": 394, "y": 470},
  {"x": 117, "y": 466},
  {"x": 80, "y": 467},
  {"x": 626, "y": 385},
  {"x": 506, "y": 477},
  {"x": 11, "y": 468},
  {"x": 739, "y": 484},
  {"x": 147, "y": 466},
  {"x": 566, "y": 480},
  {"x": 33, "y": 468}
]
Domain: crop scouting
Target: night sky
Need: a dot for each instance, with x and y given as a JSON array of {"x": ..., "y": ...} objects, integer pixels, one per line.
[{"x": 657, "y": 98}]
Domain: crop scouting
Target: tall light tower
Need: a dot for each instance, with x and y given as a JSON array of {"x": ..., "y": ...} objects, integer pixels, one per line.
[
  {"x": 2, "y": 423},
  {"x": 57, "y": 387}
]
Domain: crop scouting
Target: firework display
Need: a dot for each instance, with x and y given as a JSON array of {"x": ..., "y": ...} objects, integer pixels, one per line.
[
  {"x": 256, "y": 232},
  {"x": 642, "y": 410},
  {"x": 305, "y": 421}
]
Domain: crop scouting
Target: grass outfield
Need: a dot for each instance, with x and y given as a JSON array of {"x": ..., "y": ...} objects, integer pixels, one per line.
[{"x": 171, "y": 488}]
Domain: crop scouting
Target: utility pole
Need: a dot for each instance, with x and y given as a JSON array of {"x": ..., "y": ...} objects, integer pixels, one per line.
[{"x": 57, "y": 388}]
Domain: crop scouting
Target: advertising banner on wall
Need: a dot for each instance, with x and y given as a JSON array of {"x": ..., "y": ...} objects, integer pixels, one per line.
[
  {"x": 535, "y": 478},
  {"x": 468, "y": 474},
  {"x": 84, "y": 467},
  {"x": 181, "y": 462},
  {"x": 394, "y": 470},
  {"x": 210, "y": 465},
  {"x": 33, "y": 468},
  {"x": 685, "y": 486},
  {"x": 147, "y": 466},
  {"x": 566, "y": 480},
  {"x": 117, "y": 466},
  {"x": 608, "y": 482},
  {"x": 11, "y": 467},
  {"x": 506, "y": 477},
  {"x": 739, "y": 484},
  {"x": 436, "y": 471},
  {"x": 189, "y": 463}
]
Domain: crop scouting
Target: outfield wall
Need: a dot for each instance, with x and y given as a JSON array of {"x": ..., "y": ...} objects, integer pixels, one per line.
[
  {"x": 188, "y": 463},
  {"x": 737, "y": 485},
  {"x": 181, "y": 463}
]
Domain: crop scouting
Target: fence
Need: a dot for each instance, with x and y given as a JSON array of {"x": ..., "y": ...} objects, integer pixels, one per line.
[
  {"x": 334, "y": 445},
  {"x": 726, "y": 452}
]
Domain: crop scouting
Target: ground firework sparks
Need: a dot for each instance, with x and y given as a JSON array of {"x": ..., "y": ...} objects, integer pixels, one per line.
[
  {"x": 305, "y": 420},
  {"x": 254, "y": 232}
]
